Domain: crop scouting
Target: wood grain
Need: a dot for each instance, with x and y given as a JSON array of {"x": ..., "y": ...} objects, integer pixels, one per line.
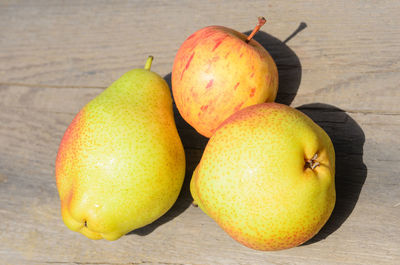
[{"x": 338, "y": 63}]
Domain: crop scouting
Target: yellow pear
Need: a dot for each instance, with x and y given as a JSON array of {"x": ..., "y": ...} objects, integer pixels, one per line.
[
  {"x": 121, "y": 163},
  {"x": 267, "y": 177}
]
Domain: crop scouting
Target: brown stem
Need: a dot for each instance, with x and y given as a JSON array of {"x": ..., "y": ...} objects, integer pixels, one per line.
[{"x": 261, "y": 22}]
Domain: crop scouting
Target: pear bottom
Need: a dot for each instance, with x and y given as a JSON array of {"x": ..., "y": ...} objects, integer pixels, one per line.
[{"x": 267, "y": 177}]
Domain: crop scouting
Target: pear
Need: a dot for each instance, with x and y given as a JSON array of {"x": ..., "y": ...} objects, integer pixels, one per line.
[
  {"x": 121, "y": 163},
  {"x": 267, "y": 177}
]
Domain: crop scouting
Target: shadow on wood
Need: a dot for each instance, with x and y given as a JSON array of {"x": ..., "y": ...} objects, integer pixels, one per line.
[
  {"x": 194, "y": 144},
  {"x": 287, "y": 62},
  {"x": 348, "y": 139}
]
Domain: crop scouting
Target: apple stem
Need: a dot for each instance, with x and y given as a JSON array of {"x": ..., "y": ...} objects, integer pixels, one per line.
[
  {"x": 147, "y": 66},
  {"x": 261, "y": 22}
]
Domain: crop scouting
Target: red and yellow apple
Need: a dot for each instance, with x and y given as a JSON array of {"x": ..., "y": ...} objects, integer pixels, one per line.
[{"x": 218, "y": 71}]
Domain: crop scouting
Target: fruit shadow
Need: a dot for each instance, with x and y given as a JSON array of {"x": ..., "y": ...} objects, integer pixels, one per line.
[
  {"x": 194, "y": 144},
  {"x": 287, "y": 62},
  {"x": 348, "y": 140}
]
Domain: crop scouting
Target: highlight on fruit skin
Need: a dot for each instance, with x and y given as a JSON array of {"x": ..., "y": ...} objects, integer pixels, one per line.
[
  {"x": 218, "y": 71},
  {"x": 121, "y": 163},
  {"x": 267, "y": 177}
]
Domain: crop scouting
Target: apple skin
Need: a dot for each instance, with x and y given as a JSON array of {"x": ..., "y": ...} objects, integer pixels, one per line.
[
  {"x": 216, "y": 73},
  {"x": 252, "y": 179}
]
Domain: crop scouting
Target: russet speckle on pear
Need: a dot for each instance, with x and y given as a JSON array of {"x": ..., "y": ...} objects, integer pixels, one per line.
[
  {"x": 121, "y": 163},
  {"x": 267, "y": 177}
]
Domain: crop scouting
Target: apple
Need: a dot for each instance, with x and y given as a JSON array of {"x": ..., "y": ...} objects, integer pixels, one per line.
[{"x": 218, "y": 71}]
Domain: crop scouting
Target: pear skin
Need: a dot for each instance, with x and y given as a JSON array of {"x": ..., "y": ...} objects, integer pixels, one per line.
[
  {"x": 121, "y": 163},
  {"x": 193, "y": 186},
  {"x": 267, "y": 177}
]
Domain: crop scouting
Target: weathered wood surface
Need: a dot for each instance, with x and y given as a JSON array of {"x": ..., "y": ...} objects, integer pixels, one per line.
[{"x": 338, "y": 62}]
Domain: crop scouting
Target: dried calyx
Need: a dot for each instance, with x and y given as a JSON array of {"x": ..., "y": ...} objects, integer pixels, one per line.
[{"x": 312, "y": 163}]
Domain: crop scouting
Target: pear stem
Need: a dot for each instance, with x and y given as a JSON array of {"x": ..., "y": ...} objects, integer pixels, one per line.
[
  {"x": 261, "y": 22},
  {"x": 147, "y": 66}
]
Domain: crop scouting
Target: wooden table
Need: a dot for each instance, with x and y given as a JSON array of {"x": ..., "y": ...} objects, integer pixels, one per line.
[{"x": 338, "y": 62}]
